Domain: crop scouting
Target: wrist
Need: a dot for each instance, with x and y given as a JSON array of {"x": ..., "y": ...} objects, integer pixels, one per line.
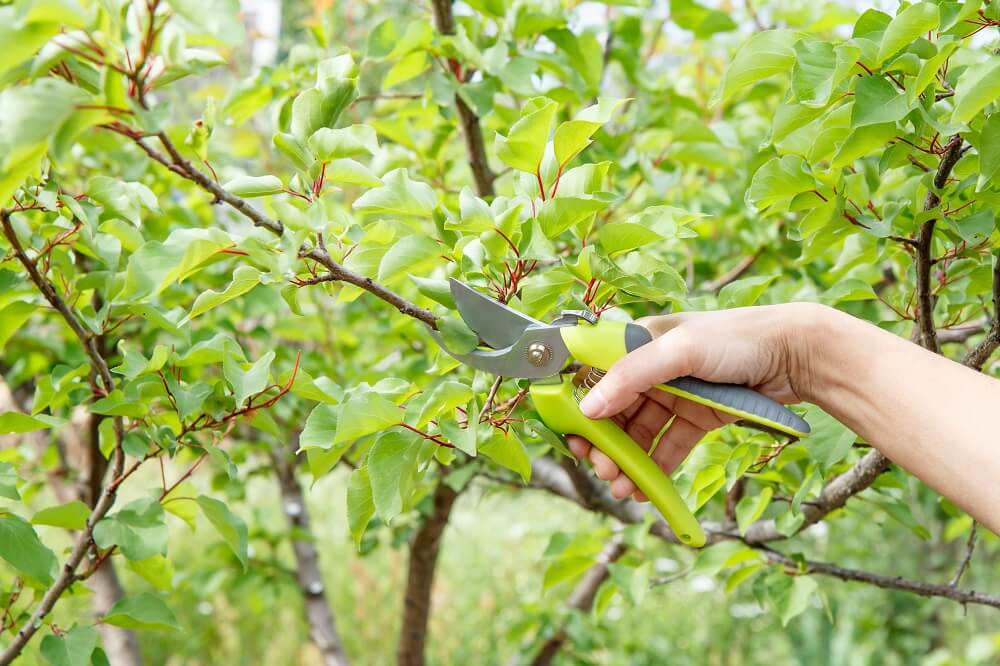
[{"x": 813, "y": 337}]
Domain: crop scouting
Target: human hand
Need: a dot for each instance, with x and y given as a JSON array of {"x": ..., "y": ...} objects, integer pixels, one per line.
[{"x": 761, "y": 347}]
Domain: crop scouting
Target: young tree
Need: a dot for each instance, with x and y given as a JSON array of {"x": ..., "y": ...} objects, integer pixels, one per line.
[{"x": 210, "y": 275}]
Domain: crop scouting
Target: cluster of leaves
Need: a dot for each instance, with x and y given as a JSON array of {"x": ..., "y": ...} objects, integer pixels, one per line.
[{"x": 339, "y": 176}]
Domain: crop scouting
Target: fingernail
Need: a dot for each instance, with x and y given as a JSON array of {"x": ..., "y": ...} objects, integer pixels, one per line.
[{"x": 594, "y": 403}]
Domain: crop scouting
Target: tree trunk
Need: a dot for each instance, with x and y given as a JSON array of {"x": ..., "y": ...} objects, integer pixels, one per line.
[
  {"x": 420, "y": 578},
  {"x": 322, "y": 626},
  {"x": 121, "y": 645}
]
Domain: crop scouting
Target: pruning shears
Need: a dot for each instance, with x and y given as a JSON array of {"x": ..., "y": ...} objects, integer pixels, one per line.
[{"x": 524, "y": 347}]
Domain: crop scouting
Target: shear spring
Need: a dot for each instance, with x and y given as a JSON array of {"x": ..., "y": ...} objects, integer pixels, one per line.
[{"x": 585, "y": 380}]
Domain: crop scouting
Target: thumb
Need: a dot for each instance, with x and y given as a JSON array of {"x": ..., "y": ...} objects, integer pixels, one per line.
[{"x": 666, "y": 357}]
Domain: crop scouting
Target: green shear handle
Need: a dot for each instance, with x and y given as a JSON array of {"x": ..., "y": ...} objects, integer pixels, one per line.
[{"x": 600, "y": 345}]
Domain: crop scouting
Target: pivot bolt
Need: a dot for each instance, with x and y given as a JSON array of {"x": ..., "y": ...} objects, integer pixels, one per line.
[{"x": 539, "y": 354}]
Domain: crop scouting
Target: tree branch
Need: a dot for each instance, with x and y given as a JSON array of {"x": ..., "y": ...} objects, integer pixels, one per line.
[
  {"x": 322, "y": 625},
  {"x": 337, "y": 272},
  {"x": 548, "y": 475},
  {"x": 733, "y": 274},
  {"x": 420, "y": 578},
  {"x": 925, "y": 240},
  {"x": 67, "y": 575},
  {"x": 979, "y": 354},
  {"x": 581, "y": 599},
  {"x": 444, "y": 21},
  {"x": 886, "y": 582}
]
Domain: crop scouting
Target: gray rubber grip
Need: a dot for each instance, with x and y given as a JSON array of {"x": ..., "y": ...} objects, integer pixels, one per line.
[{"x": 746, "y": 402}]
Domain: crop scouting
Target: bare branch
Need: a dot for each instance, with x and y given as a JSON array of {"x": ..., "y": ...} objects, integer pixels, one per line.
[
  {"x": 342, "y": 274},
  {"x": 979, "y": 354},
  {"x": 733, "y": 274},
  {"x": 970, "y": 547},
  {"x": 420, "y": 578},
  {"x": 887, "y": 582},
  {"x": 322, "y": 626},
  {"x": 923, "y": 248},
  {"x": 444, "y": 21},
  {"x": 582, "y": 598}
]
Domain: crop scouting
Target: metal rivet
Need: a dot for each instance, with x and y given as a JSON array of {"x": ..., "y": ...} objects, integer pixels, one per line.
[{"x": 539, "y": 354}]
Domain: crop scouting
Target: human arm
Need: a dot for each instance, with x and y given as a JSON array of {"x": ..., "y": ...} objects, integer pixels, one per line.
[{"x": 932, "y": 416}]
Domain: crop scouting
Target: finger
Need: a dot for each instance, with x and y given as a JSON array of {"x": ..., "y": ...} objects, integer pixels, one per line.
[
  {"x": 665, "y": 358},
  {"x": 578, "y": 446},
  {"x": 645, "y": 424},
  {"x": 640, "y": 496},
  {"x": 604, "y": 466},
  {"x": 677, "y": 444},
  {"x": 701, "y": 415},
  {"x": 622, "y": 487}
]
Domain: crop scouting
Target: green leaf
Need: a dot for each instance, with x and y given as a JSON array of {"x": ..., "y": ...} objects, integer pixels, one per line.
[
  {"x": 71, "y": 515},
  {"x": 573, "y": 136},
  {"x": 31, "y": 117},
  {"x": 254, "y": 186},
  {"x": 391, "y": 469},
  {"x": 22, "y": 549},
  {"x": 360, "y": 505},
  {"x": 408, "y": 67},
  {"x": 978, "y": 86},
  {"x": 524, "y": 144},
  {"x": 330, "y": 144},
  {"x": 795, "y": 598},
  {"x": 930, "y": 68},
  {"x": 779, "y": 179},
  {"x": 410, "y": 254},
  {"x": 346, "y": 171},
  {"x": 12, "y": 317},
  {"x": 911, "y": 23},
  {"x": 745, "y": 291},
  {"x": 863, "y": 141},
  {"x": 365, "y": 413},
  {"x": 765, "y": 54},
  {"x": 294, "y": 150},
  {"x": 877, "y": 101},
  {"x": 506, "y": 450},
  {"x": 8, "y": 482},
  {"x": 158, "y": 571},
  {"x": 751, "y": 507},
  {"x": 246, "y": 383},
  {"x": 18, "y": 422},
  {"x": 988, "y": 146},
  {"x": 245, "y": 278},
  {"x": 557, "y": 215},
  {"x": 124, "y": 199},
  {"x": 156, "y": 265},
  {"x": 813, "y": 72},
  {"x": 321, "y": 427},
  {"x": 457, "y": 336},
  {"x": 445, "y": 397},
  {"x": 143, "y": 611},
  {"x": 73, "y": 648},
  {"x": 230, "y": 526},
  {"x": 138, "y": 530},
  {"x": 400, "y": 195},
  {"x": 314, "y": 109},
  {"x": 621, "y": 237},
  {"x": 829, "y": 441}
]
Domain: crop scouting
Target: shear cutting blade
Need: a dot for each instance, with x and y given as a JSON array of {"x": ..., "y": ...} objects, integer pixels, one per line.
[{"x": 495, "y": 323}]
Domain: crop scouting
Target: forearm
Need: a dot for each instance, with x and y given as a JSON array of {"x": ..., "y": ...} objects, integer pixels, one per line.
[{"x": 934, "y": 417}]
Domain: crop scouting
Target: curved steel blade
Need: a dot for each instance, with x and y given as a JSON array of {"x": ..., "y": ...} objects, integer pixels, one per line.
[
  {"x": 495, "y": 323},
  {"x": 513, "y": 361}
]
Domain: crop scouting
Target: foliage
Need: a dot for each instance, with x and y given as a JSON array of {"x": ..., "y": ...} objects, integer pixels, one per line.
[{"x": 198, "y": 259}]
